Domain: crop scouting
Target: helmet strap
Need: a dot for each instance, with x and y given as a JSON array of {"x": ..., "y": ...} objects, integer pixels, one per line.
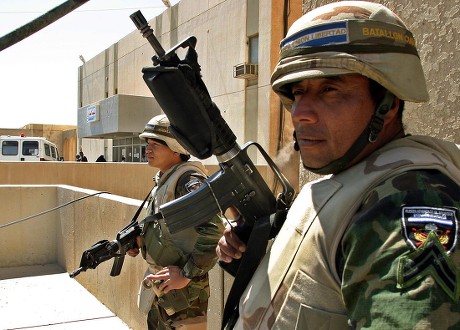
[
  {"x": 369, "y": 135},
  {"x": 376, "y": 124},
  {"x": 296, "y": 144}
]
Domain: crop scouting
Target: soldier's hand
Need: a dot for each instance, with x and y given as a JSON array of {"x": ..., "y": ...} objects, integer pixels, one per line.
[
  {"x": 172, "y": 278},
  {"x": 135, "y": 250},
  {"x": 230, "y": 246}
]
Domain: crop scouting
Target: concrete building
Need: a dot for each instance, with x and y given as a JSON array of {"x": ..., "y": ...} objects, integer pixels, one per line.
[{"x": 237, "y": 45}]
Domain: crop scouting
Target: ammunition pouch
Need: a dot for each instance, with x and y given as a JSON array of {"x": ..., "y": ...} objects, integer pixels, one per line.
[{"x": 175, "y": 301}]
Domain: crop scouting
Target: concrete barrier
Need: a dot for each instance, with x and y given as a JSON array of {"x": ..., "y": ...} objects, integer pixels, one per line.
[{"x": 60, "y": 237}]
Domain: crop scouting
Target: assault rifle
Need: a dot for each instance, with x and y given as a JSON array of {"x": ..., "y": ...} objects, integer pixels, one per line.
[
  {"x": 197, "y": 124},
  {"x": 105, "y": 250}
]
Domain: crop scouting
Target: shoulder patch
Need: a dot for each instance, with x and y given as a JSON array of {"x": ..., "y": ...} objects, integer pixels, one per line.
[
  {"x": 418, "y": 222},
  {"x": 432, "y": 235},
  {"x": 430, "y": 259},
  {"x": 195, "y": 182}
]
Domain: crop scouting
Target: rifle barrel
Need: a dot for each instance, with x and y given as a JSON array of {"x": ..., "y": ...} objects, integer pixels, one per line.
[
  {"x": 76, "y": 272},
  {"x": 141, "y": 23}
]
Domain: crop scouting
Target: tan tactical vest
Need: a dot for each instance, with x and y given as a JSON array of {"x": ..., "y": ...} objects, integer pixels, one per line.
[
  {"x": 163, "y": 248},
  {"x": 296, "y": 286}
]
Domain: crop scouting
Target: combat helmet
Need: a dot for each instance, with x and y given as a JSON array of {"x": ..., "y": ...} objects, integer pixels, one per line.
[
  {"x": 349, "y": 37},
  {"x": 158, "y": 128}
]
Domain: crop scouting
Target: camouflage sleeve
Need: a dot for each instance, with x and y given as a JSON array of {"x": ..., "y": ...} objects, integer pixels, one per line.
[
  {"x": 400, "y": 266},
  {"x": 203, "y": 257}
]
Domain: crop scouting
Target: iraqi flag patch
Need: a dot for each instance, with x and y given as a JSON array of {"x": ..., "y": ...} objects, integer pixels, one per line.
[{"x": 418, "y": 221}]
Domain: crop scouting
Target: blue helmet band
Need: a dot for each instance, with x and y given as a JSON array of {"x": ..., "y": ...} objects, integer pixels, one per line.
[{"x": 350, "y": 36}]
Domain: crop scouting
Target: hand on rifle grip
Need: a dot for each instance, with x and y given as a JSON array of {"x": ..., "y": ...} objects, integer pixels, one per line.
[
  {"x": 134, "y": 251},
  {"x": 230, "y": 246}
]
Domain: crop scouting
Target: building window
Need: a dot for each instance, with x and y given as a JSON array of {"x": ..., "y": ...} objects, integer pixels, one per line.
[{"x": 128, "y": 150}]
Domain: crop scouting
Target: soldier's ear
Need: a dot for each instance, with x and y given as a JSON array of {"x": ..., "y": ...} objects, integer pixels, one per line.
[{"x": 393, "y": 112}]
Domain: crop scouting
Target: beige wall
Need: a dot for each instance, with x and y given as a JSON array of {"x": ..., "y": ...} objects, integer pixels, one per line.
[
  {"x": 133, "y": 180},
  {"x": 436, "y": 28},
  {"x": 61, "y": 236},
  {"x": 124, "y": 179},
  {"x": 34, "y": 243}
]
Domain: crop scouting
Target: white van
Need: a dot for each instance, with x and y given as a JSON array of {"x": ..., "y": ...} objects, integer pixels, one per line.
[{"x": 28, "y": 149}]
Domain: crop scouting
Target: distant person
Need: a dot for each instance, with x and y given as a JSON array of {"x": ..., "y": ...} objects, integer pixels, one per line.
[
  {"x": 100, "y": 159},
  {"x": 83, "y": 157}
]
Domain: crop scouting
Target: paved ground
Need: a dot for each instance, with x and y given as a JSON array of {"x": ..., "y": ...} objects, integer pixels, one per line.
[{"x": 45, "y": 297}]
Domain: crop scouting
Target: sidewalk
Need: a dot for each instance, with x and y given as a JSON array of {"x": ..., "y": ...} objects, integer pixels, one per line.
[{"x": 45, "y": 297}]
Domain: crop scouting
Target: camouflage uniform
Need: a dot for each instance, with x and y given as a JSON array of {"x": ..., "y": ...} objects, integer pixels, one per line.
[
  {"x": 377, "y": 253},
  {"x": 388, "y": 283},
  {"x": 192, "y": 249}
]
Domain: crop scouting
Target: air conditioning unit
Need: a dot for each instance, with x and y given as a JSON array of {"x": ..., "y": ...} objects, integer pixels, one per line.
[{"x": 245, "y": 71}]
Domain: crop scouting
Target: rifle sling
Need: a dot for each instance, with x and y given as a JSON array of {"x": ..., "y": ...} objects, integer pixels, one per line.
[
  {"x": 255, "y": 250},
  {"x": 136, "y": 215}
]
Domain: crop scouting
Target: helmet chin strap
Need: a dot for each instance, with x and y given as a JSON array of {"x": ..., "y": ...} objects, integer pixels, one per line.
[{"x": 369, "y": 135}]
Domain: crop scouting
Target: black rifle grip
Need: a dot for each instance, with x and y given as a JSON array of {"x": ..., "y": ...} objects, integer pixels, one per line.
[
  {"x": 117, "y": 265},
  {"x": 243, "y": 232}
]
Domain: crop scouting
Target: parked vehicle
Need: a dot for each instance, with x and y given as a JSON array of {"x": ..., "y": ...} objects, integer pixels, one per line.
[{"x": 28, "y": 149}]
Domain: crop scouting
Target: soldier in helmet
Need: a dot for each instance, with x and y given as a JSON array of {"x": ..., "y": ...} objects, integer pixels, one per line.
[
  {"x": 375, "y": 243},
  {"x": 178, "y": 264}
]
